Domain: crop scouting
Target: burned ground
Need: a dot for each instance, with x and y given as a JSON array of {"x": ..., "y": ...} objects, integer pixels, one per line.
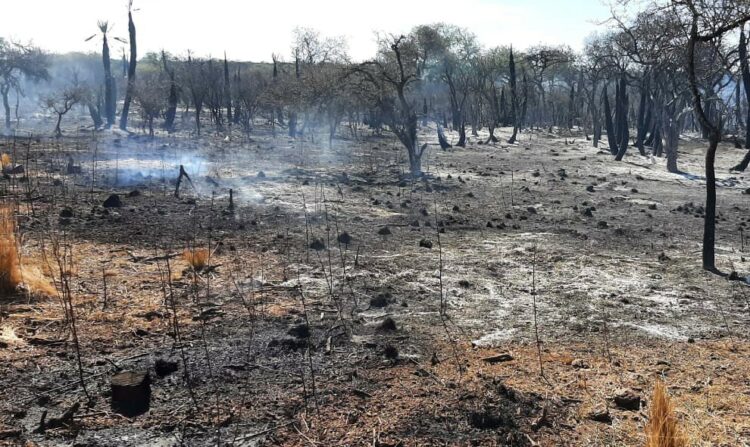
[{"x": 297, "y": 335}]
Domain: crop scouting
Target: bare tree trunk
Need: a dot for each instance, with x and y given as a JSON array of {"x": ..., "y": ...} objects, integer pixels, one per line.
[
  {"x": 293, "y": 124},
  {"x": 198, "y": 119},
  {"x": 714, "y": 134},
  {"x": 131, "y": 73},
  {"x": 611, "y": 138},
  {"x": 109, "y": 95},
  {"x": 641, "y": 122},
  {"x": 743, "y": 164},
  {"x": 709, "y": 223},
  {"x": 673, "y": 135},
  {"x": 171, "y": 112},
  {"x": 441, "y": 138},
  {"x": 571, "y": 106},
  {"x": 6, "y": 105},
  {"x": 58, "y": 132},
  {"x": 513, "y": 97},
  {"x": 96, "y": 116},
  {"x": 461, "y": 134},
  {"x": 745, "y": 67},
  {"x": 621, "y": 122},
  {"x": 227, "y": 91}
]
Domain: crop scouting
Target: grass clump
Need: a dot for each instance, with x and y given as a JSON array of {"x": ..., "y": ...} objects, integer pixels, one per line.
[
  {"x": 662, "y": 429},
  {"x": 5, "y": 160},
  {"x": 196, "y": 257},
  {"x": 10, "y": 271}
]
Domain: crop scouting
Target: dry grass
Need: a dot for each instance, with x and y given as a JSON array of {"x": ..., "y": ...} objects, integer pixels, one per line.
[
  {"x": 10, "y": 272},
  {"x": 35, "y": 280},
  {"x": 196, "y": 257},
  {"x": 662, "y": 429},
  {"x": 5, "y": 160},
  {"x": 709, "y": 387}
]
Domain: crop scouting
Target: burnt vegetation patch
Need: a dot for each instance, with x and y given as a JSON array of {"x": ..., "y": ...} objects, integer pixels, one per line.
[{"x": 447, "y": 242}]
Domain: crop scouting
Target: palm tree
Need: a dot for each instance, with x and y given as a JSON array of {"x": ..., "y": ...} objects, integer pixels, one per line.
[
  {"x": 131, "y": 69},
  {"x": 110, "y": 95}
]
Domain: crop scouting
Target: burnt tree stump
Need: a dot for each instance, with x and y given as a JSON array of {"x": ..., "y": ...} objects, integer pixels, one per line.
[
  {"x": 183, "y": 173},
  {"x": 131, "y": 392}
]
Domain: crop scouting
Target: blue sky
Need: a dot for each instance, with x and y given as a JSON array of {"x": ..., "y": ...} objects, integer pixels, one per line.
[{"x": 252, "y": 29}]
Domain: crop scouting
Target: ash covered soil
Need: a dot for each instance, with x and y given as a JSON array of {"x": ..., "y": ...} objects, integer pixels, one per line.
[{"x": 345, "y": 304}]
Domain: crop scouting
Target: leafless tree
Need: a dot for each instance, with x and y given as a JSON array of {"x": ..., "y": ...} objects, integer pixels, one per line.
[
  {"x": 63, "y": 101},
  {"x": 17, "y": 61}
]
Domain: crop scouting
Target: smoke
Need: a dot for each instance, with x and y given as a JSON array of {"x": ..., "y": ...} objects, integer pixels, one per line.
[{"x": 127, "y": 167}]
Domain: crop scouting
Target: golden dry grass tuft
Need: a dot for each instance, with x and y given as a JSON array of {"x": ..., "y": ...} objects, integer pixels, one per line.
[
  {"x": 196, "y": 257},
  {"x": 662, "y": 429},
  {"x": 10, "y": 272},
  {"x": 5, "y": 160},
  {"x": 33, "y": 277}
]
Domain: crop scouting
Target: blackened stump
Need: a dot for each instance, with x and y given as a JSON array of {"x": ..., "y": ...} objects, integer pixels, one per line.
[
  {"x": 113, "y": 201},
  {"x": 131, "y": 392}
]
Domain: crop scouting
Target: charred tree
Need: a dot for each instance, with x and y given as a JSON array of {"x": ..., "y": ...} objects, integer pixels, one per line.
[
  {"x": 4, "y": 90},
  {"x": 571, "y": 106},
  {"x": 172, "y": 99},
  {"x": 524, "y": 104},
  {"x": 712, "y": 129},
  {"x": 503, "y": 118},
  {"x": 398, "y": 112},
  {"x": 672, "y": 137},
  {"x": 595, "y": 118},
  {"x": 513, "y": 97},
  {"x": 641, "y": 120},
  {"x": 441, "y": 138},
  {"x": 745, "y": 68},
  {"x": 621, "y": 119},
  {"x": 293, "y": 113},
  {"x": 110, "y": 96},
  {"x": 238, "y": 104},
  {"x": 131, "y": 70},
  {"x": 608, "y": 125},
  {"x": 227, "y": 91}
]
